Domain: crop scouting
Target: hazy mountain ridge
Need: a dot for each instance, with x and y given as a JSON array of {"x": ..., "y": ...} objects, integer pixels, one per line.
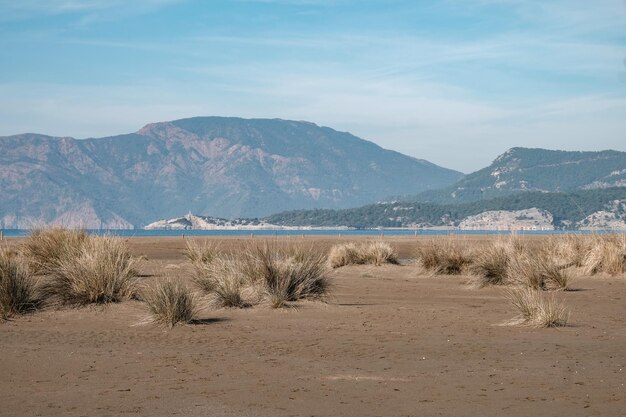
[
  {"x": 523, "y": 169},
  {"x": 226, "y": 167}
]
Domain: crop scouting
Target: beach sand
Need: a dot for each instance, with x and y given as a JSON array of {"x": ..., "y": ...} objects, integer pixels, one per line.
[{"x": 390, "y": 341}]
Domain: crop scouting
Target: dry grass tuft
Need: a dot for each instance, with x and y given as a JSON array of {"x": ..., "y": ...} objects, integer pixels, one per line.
[
  {"x": 289, "y": 274},
  {"x": 17, "y": 285},
  {"x": 345, "y": 254},
  {"x": 200, "y": 254},
  {"x": 570, "y": 249},
  {"x": 443, "y": 257},
  {"x": 201, "y": 257},
  {"x": 281, "y": 274},
  {"x": 379, "y": 253},
  {"x": 102, "y": 270},
  {"x": 170, "y": 302},
  {"x": 376, "y": 253},
  {"x": 46, "y": 247},
  {"x": 537, "y": 309},
  {"x": 205, "y": 276},
  {"x": 525, "y": 301},
  {"x": 490, "y": 266},
  {"x": 514, "y": 244},
  {"x": 225, "y": 279},
  {"x": 537, "y": 271},
  {"x": 607, "y": 254}
]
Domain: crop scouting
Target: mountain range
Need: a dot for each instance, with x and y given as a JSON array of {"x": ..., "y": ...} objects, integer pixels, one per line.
[
  {"x": 228, "y": 167},
  {"x": 247, "y": 169},
  {"x": 571, "y": 189},
  {"x": 521, "y": 170}
]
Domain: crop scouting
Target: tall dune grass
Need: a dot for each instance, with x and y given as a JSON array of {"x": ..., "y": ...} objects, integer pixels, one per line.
[
  {"x": 205, "y": 276},
  {"x": 607, "y": 254},
  {"x": 200, "y": 254},
  {"x": 490, "y": 266},
  {"x": 537, "y": 270},
  {"x": 170, "y": 302},
  {"x": 380, "y": 253},
  {"x": 538, "y": 309},
  {"x": 101, "y": 270},
  {"x": 226, "y": 281},
  {"x": 281, "y": 274},
  {"x": 443, "y": 257},
  {"x": 47, "y": 247},
  {"x": 571, "y": 249},
  {"x": 221, "y": 276},
  {"x": 375, "y": 253},
  {"x": 288, "y": 274},
  {"x": 345, "y": 254},
  {"x": 18, "y": 286},
  {"x": 514, "y": 244}
]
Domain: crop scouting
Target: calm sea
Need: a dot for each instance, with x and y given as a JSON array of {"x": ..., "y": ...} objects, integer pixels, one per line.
[{"x": 316, "y": 232}]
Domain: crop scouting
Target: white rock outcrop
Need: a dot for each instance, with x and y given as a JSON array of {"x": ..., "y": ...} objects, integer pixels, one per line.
[
  {"x": 613, "y": 218},
  {"x": 528, "y": 219},
  {"x": 193, "y": 222}
]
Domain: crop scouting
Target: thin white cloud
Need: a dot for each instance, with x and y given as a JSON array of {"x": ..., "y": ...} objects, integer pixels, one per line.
[
  {"x": 25, "y": 9},
  {"x": 269, "y": 41},
  {"x": 573, "y": 17}
]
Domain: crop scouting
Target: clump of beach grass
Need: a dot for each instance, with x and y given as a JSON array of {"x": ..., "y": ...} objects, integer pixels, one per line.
[
  {"x": 200, "y": 254},
  {"x": 101, "y": 270},
  {"x": 381, "y": 253},
  {"x": 18, "y": 286},
  {"x": 226, "y": 281},
  {"x": 490, "y": 265},
  {"x": 205, "y": 276},
  {"x": 289, "y": 274},
  {"x": 571, "y": 249},
  {"x": 46, "y": 247},
  {"x": 538, "y": 271},
  {"x": 345, "y": 254},
  {"x": 443, "y": 257},
  {"x": 607, "y": 254},
  {"x": 279, "y": 274},
  {"x": 514, "y": 244},
  {"x": 170, "y": 302},
  {"x": 538, "y": 309},
  {"x": 375, "y": 253}
]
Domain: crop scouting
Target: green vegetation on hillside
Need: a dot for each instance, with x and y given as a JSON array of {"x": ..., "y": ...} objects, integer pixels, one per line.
[{"x": 565, "y": 207}]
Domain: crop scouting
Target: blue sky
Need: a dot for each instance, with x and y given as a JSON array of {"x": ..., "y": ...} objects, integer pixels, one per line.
[{"x": 454, "y": 82}]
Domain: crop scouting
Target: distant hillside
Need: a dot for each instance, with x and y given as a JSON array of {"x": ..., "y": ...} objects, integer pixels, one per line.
[
  {"x": 566, "y": 209},
  {"x": 524, "y": 170},
  {"x": 226, "y": 167}
]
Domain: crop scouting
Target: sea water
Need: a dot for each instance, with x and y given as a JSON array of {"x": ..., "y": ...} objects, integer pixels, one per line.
[{"x": 314, "y": 232}]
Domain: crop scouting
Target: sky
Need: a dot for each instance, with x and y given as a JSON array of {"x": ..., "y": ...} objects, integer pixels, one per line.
[{"x": 455, "y": 82}]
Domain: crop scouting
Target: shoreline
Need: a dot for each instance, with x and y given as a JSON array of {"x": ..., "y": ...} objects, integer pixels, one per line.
[{"x": 314, "y": 232}]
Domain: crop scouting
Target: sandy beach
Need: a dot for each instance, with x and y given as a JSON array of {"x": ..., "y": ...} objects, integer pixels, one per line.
[{"x": 390, "y": 341}]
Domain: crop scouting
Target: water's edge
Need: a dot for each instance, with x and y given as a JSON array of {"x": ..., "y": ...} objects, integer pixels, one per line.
[{"x": 314, "y": 232}]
